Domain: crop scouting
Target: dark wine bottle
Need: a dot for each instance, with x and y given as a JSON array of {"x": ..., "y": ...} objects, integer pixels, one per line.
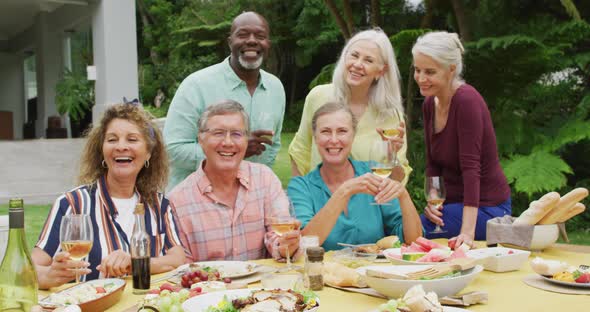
[{"x": 140, "y": 253}]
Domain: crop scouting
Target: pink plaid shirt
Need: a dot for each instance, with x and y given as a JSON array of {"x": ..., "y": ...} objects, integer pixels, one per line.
[{"x": 214, "y": 231}]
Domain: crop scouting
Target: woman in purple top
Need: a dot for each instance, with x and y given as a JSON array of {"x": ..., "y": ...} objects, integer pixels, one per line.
[{"x": 460, "y": 143}]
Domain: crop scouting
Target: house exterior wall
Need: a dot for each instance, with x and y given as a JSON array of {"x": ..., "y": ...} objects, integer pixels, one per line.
[{"x": 12, "y": 90}]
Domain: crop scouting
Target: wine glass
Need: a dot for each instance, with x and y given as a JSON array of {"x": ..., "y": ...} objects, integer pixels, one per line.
[
  {"x": 434, "y": 189},
  {"x": 75, "y": 235},
  {"x": 381, "y": 161},
  {"x": 283, "y": 222}
]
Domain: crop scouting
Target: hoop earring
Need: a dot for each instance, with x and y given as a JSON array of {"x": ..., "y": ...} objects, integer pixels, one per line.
[
  {"x": 104, "y": 164},
  {"x": 147, "y": 163}
]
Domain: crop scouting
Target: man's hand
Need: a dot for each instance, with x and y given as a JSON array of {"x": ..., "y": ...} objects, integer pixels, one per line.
[
  {"x": 257, "y": 140},
  {"x": 290, "y": 240}
]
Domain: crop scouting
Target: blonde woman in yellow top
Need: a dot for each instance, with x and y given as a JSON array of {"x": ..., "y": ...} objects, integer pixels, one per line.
[{"x": 366, "y": 77}]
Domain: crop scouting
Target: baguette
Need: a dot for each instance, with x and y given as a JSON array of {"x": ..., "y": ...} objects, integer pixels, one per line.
[
  {"x": 572, "y": 212},
  {"x": 564, "y": 205},
  {"x": 387, "y": 242},
  {"x": 538, "y": 209}
]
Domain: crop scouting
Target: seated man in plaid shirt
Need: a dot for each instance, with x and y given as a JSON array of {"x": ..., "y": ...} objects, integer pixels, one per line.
[{"x": 225, "y": 207}]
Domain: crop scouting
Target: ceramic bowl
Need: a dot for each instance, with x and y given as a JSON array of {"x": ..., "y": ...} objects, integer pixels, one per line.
[
  {"x": 500, "y": 259},
  {"x": 95, "y": 305},
  {"x": 395, "y": 288},
  {"x": 544, "y": 236}
]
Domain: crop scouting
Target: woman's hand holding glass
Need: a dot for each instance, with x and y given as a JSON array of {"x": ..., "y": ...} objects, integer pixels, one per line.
[
  {"x": 383, "y": 189},
  {"x": 434, "y": 190},
  {"x": 76, "y": 237},
  {"x": 63, "y": 269},
  {"x": 395, "y": 138}
]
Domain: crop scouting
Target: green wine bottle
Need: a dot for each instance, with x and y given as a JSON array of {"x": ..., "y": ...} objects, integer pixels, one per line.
[{"x": 18, "y": 279}]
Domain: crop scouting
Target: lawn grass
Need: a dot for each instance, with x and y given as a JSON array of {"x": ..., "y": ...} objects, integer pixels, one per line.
[
  {"x": 35, "y": 215},
  {"x": 282, "y": 166}
]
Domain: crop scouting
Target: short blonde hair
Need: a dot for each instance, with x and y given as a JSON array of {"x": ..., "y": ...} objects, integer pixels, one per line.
[
  {"x": 329, "y": 108},
  {"x": 385, "y": 94},
  {"x": 149, "y": 180},
  {"x": 444, "y": 47}
]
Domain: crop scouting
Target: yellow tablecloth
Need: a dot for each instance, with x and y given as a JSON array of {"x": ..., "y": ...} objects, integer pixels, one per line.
[{"x": 506, "y": 291}]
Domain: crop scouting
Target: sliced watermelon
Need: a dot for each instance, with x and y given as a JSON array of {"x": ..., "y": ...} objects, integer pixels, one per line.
[
  {"x": 458, "y": 253},
  {"x": 416, "y": 248},
  {"x": 436, "y": 255},
  {"x": 428, "y": 244}
]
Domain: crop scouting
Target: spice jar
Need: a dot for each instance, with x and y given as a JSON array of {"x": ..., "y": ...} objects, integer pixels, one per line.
[{"x": 313, "y": 268}]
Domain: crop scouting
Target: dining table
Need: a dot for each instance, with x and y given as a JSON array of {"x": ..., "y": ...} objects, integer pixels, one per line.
[{"x": 506, "y": 291}]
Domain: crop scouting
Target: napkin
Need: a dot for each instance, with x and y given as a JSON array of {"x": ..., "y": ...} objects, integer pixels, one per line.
[{"x": 500, "y": 230}]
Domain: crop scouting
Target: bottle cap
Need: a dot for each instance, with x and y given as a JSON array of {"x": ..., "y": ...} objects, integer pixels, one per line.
[
  {"x": 315, "y": 253},
  {"x": 139, "y": 209}
]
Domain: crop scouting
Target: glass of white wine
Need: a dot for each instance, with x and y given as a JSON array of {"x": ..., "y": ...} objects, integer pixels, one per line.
[
  {"x": 434, "y": 189},
  {"x": 381, "y": 161},
  {"x": 76, "y": 236},
  {"x": 282, "y": 223}
]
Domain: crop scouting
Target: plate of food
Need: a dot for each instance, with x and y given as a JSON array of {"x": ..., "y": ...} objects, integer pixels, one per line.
[
  {"x": 219, "y": 270},
  {"x": 95, "y": 295},
  {"x": 253, "y": 300},
  {"x": 375, "y": 249},
  {"x": 416, "y": 300},
  {"x": 572, "y": 278}
]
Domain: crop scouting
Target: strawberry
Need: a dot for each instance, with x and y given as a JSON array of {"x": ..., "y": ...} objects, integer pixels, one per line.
[
  {"x": 167, "y": 286},
  {"x": 584, "y": 278}
]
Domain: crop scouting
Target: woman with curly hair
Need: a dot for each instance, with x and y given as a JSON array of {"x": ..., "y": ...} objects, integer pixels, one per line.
[{"x": 123, "y": 163}]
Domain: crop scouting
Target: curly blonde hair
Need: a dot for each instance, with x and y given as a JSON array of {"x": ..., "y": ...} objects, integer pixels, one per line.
[{"x": 149, "y": 180}]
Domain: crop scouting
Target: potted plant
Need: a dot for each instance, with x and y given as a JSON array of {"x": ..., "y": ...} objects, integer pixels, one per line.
[{"x": 75, "y": 96}]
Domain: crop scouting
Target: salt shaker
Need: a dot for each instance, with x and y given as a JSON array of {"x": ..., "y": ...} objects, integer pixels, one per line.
[{"x": 313, "y": 268}]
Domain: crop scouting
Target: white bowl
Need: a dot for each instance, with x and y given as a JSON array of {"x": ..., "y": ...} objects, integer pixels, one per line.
[
  {"x": 394, "y": 288},
  {"x": 544, "y": 236},
  {"x": 500, "y": 259}
]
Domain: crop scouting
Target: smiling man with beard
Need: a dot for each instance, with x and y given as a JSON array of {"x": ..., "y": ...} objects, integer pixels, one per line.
[
  {"x": 238, "y": 77},
  {"x": 226, "y": 206}
]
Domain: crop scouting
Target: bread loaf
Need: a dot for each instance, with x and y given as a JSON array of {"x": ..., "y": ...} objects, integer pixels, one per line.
[
  {"x": 336, "y": 274},
  {"x": 572, "y": 212},
  {"x": 564, "y": 205},
  {"x": 538, "y": 209},
  {"x": 387, "y": 242}
]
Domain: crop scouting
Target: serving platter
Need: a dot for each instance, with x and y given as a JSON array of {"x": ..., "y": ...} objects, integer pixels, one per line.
[
  {"x": 230, "y": 269},
  {"x": 202, "y": 302},
  {"x": 77, "y": 293}
]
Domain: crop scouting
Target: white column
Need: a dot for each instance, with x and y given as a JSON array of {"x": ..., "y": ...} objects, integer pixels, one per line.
[
  {"x": 67, "y": 59},
  {"x": 49, "y": 66},
  {"x": 115, "y": 53}
]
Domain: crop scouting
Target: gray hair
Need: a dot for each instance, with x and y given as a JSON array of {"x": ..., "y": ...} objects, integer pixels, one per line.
[
  {"x": 223, "y": 107},
  {"x": 444, "y": 47},
  {"x": 385, "y": 93},
  {"x": 329, "y": 108}
]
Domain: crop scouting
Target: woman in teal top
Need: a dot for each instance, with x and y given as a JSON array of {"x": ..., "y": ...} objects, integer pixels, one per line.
[{"x": 333, "y": 201}]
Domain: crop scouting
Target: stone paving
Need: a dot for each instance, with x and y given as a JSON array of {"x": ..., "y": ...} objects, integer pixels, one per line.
[{"x": 38, "y": 170}]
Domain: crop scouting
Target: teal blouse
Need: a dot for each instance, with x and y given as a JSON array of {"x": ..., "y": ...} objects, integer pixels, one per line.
[{"x": 364, "y": 224}]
